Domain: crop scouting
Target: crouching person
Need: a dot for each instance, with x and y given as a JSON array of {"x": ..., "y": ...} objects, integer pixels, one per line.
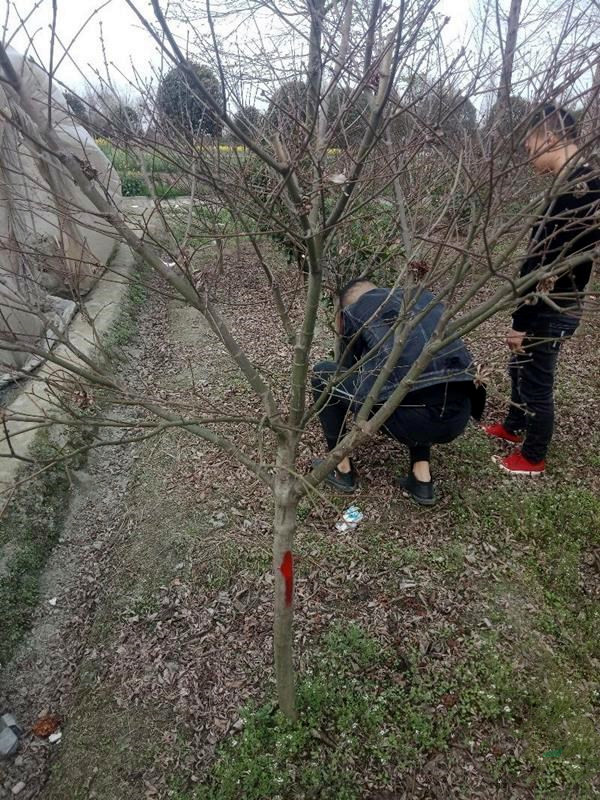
[{"x": 435, "y": 411}]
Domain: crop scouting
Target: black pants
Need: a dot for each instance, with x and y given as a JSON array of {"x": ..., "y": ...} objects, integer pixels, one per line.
[
  {"x": 436, "y": 415},
  {"x": 532, "y": 378}
]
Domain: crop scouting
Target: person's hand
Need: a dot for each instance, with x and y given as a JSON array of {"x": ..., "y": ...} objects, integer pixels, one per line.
[{"x": 515, "y": 341}]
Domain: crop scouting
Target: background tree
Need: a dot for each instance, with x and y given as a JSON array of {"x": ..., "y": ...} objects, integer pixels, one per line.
[
  {"x": 250, "y": 121},
  {"x": 180, "y": 99},
  {"x": 348, "y": 116},
  {"x": 110, "y": 113},
  {"x": 443, "y": 108},
  {"x": 287, "y": 110},
  {"x": 509, "y": 47},
  {"x": 506, "y": 116},
  {"x": 128, "y": 118}
]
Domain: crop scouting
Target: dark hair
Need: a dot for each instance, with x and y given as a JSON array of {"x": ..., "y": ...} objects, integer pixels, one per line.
[
  {"x": 345, "y": 290},
  {"x": 556, "y": 119}
]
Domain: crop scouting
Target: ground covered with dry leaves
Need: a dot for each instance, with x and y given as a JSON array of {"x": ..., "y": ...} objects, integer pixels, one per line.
[{"x": 445, "y": 653}]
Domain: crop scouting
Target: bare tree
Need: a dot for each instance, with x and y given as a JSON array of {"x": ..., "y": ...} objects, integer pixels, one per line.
[{"x": 399, "y": 186}]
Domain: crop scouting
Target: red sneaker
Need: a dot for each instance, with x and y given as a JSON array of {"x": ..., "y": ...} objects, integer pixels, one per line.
[
  {"x": 498, "y": 431},
  {"x": 517, "y": 464}
]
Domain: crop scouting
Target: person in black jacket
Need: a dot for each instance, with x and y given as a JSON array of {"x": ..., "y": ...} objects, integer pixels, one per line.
[
  {"x": 569, "y": 226},
  {"x": 435, "y": 411}
]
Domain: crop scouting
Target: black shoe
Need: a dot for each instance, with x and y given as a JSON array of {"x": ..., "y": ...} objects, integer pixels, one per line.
[
  {"x": 346, "y": 482},
  {"x": 420, "y": 491}
]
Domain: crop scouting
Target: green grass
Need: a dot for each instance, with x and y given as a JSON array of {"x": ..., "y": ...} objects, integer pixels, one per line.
[
  {"x": 544, "y": 706},
  {"x": 126, "y": 325},
  {"x": 126, "y": 161},
  {"x": 133, "y": 184},
  {"x": 131, "y": 168},
  {"x": 353, "y": 710},
  {"x": 205, "y": 222},
  {"x": 224, "y": 568},
  {"x": 556, "y": 526},
  {"x": 544, "y": 534},
  {"x": 369, "y": 715}
]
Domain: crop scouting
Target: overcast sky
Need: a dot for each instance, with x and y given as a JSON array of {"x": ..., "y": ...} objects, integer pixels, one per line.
[{"x": 124, "y": 39}]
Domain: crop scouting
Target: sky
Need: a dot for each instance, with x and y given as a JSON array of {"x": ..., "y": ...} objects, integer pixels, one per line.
[
  {"x": 125, "y": 40},
  {"x": 115, "y": 23}
]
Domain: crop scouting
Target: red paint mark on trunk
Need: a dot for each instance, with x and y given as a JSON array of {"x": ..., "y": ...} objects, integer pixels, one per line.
[{"x": 287, "y": 570}]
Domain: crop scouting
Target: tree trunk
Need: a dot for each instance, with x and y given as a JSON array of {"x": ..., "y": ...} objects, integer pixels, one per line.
[
  {"x": 220, "y": 260},
  {"x": 508, "y": 59},
  {"x": 284, "y": 528}
]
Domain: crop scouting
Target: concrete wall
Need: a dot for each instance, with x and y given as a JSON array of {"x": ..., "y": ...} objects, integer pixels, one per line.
[{"x": 103, "y": 306}]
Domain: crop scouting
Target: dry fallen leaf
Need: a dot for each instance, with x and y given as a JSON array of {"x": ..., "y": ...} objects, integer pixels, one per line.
[
  {"x": 449, "y": 699},
  {"x": 46, "y": 725}
]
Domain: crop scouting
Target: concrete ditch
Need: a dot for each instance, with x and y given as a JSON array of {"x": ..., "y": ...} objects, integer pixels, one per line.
[{"x": 102, "y": 309}]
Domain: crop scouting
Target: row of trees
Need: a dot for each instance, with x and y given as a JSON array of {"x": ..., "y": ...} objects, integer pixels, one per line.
[{"x": 105, "y": 112}]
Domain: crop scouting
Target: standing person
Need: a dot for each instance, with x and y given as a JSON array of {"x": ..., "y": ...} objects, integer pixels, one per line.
[
  {"x": 569, "y": 225},
  {"x": 436, "y": 411}
]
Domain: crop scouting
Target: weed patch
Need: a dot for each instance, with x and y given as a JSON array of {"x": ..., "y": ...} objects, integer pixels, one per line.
[
  {"x": 368, "y": 716},
  {"x": 32, "y": 521},
  {"x": 356, "y": 708},
  {"x": 126, "y": 325}
]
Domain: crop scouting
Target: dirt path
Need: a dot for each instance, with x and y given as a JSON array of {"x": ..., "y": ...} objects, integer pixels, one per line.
[
  {"x": 151, "y": 542},
  {"x": 47, "y": 670},
  {"x": 41, "y": 679},
  {"x": 442, "y": 654}
]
